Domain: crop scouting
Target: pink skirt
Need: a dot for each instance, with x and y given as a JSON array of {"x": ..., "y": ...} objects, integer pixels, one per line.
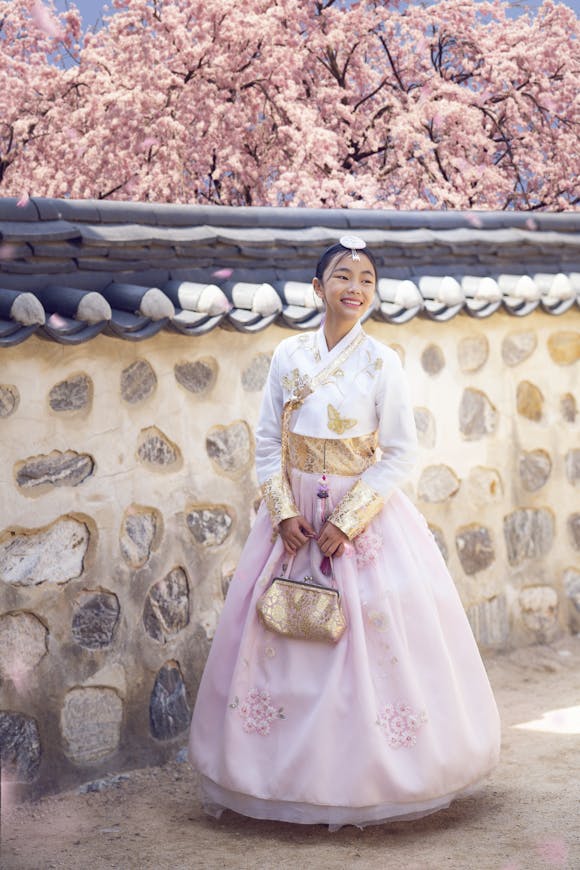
[{"x": 393, "y": 722}]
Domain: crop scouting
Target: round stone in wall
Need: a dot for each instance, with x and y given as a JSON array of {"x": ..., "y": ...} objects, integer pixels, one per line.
[
  {"x": 432, "y": 359},
  {"x": 568, "y": 408},
  {"x": 564, "y": 347},
  {"x": 20, "y": 743},
  {"x": 157, "y": 451},
  {"x": 230, "y": 447},
  {"x": 138, "y": 382},
  {"x": 425, "y": 425},
  {"x": 255, "y": 375},
  {"x": 530, "y": 401},
  {"x": 73, "y": 394},
  {"x": 54, "y": 469},
  {"x": 54, "y": 554},
  {"x": 96, "y": 614},
  {"x": 518, "y": 346},
  {"x": 23, "y": 642},
  {"x": 166, "y": 610},
  {"x": 573, "y": 466},
  {"x": 529, "y": 534},
  {"x": 439, "y": 540},
  {"x": 539, "y": 606},
  {"x": 169, "y": 712},
  {"x": 477, "y": 415},
  {"x": 438, "y": 483},
  {"x": 140, "y": 528},
  {"x": 535, "y": 467},
  {"x": 572, "y": 590},
  {"x": 210, "y": 525},
  {"x": 474, "y": 548},
  {"x": 472, "y": 353},
  {"x": 489, "y": 622},
  {"x": 9, "y": 399},
  {"x": 573, "y": 524},
  {"x": 90, "y": 723},
  {"x": 198, "y": 376},
  {"x": 484, "y": 485}
]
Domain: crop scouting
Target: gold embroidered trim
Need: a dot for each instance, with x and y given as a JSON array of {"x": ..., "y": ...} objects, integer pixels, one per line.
[
  {"x": 345, "y": 456},
  {"x": 304, "y": 387},
  {"x": 356, "y": 509},
  {"x": 279, "y": 500}
]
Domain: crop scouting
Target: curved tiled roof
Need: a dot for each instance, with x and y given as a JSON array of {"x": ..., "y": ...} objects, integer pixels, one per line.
[{"x": 70, "y": 270}]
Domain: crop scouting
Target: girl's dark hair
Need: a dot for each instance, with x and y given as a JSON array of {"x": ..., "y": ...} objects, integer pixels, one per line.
[{"x": 331, "y": 253}]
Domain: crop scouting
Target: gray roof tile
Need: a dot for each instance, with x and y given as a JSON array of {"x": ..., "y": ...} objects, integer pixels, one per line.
[
  {"x": 453, "y": 256},
  {"x": 22, "y": 231}
]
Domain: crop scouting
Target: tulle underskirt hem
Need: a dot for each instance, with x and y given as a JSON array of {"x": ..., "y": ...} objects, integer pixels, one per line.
[{"x": 216, "y": 799}]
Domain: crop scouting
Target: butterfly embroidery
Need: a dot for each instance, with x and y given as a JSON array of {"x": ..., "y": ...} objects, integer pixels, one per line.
[{"x": 339, "y": 424}]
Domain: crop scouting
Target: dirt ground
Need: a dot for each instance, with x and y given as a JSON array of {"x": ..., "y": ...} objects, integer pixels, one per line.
[{"x": 527, "y": 816}]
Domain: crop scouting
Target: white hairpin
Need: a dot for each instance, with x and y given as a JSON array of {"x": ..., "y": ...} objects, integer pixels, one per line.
[{"x": 354, "y": 243}]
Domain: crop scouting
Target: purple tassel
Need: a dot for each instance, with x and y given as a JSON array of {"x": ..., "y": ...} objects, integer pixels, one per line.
[
  {"x": 322, "y": 491},
  {"x": 326, "y": 567}
]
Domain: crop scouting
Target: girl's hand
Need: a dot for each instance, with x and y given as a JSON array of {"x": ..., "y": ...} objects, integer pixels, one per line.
[
  {"x": 331, "y": 540},
  {"x": 295, "y": 532}
]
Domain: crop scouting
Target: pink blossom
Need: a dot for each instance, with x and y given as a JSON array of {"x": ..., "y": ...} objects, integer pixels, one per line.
[
  {"x": 293, "y": 104},
  {"x": 23, "y": 201},
  {"x": 223, "y": 273},
  {"x": 45, "y": 21}
]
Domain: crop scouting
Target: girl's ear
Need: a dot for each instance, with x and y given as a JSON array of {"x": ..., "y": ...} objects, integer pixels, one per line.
[{"x": 317, "y": 286}]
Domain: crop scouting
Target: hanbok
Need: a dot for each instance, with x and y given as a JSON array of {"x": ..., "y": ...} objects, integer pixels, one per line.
[{"x": 397, "y": 719}]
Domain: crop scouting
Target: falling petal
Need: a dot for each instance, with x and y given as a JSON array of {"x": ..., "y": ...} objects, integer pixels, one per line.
[
  {"x": 531, "y": 224},
  {"x": 474, "y": 220},
  {"x": 23, "y": 201},
  {"x": 56, "y": 321},
  {"x": 223, "y": 273},
  {"x": 7, "y": 252},
  {"x": 554, "y": 851}
]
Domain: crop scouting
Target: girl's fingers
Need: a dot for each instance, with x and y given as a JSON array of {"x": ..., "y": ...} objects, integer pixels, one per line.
[{"x": 307, "y": 528}]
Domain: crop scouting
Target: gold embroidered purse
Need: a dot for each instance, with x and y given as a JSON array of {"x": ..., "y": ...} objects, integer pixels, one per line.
[{"x": 302, "y": 610}]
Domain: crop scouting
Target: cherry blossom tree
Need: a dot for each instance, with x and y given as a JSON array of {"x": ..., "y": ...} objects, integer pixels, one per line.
[{"x": 294, "y": 102}]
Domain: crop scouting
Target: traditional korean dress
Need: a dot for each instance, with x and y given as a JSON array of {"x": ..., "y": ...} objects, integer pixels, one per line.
[{"x": 398, "y": 718}]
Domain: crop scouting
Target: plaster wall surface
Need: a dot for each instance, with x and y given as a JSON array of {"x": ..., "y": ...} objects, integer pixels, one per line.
[{"x": 128, "y": 490}]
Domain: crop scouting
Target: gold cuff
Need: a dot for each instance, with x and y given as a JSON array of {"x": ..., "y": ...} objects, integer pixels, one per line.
[
  {"x": 279, "y": 500},
  {"x": 356, "y": 509}
]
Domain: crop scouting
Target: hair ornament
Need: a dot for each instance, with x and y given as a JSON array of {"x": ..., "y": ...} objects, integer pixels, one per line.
[{"x": 355, "y": 243}]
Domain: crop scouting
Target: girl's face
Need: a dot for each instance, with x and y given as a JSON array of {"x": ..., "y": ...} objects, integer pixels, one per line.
[{"x": 347, "y": 287}]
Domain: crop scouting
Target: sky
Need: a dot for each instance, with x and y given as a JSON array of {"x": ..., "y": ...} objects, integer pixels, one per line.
[{"x": 91, "y": 9}]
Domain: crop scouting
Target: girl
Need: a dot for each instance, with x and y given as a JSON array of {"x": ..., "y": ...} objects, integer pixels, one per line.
[{"x": 397, "y": 718}]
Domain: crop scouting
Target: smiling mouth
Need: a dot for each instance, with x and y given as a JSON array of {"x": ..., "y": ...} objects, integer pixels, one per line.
[{"x": 353, "y": 303}]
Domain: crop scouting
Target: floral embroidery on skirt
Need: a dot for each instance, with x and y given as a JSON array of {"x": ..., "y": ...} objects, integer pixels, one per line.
[
  {"x": 257, "y": 711},
  {"x": 400, "y": 724},
  {"x": 367, "y": 547}
]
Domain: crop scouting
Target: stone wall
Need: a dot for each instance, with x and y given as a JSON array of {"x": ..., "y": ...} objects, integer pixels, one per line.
[{"x": 128, "y": 491}]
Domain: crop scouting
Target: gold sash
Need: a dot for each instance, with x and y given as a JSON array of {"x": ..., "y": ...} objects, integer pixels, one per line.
[{"x": 344, "y": 456}]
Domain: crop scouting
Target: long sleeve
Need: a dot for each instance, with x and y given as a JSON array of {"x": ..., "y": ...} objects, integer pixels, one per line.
[
  {"x": 397, "y": 437},
  {"x": 274, "y": 483}
]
